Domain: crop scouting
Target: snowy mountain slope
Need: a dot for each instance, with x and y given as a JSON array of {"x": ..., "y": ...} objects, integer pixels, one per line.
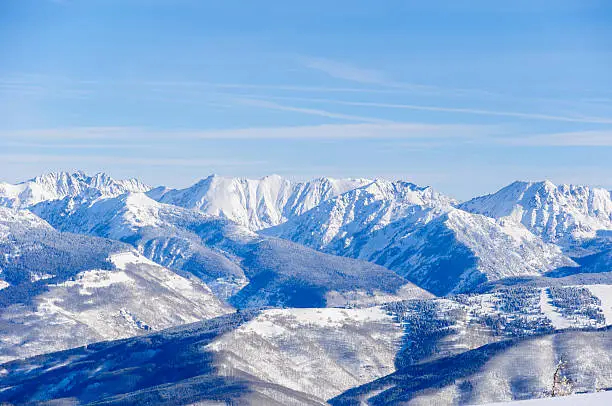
[
  {"x": 444, "y": 327},
  {"x": 170, "y": 367},
  {"x": 583, "y": 399},
  {"x": 564, "y": 214},
  {"x": 419, "y": 234},
  {"x": 224, "y": 359},
  {"x": 66, "y": 290},
  {"x": 54, "y": 186},
  {"x": 227, "y": 256},
  {"x": 432, "y": 329},
  {"x": 32, "y": 253},
  {"x": 255, "y": 203},
  {"x": 458, "y": 251},
  {"x": 283, "y": 273},
  {"x": 321, "y": 352},
  {"x": 345, "y": 225},
  {"x": 169, "y": 235},
  {"x": 502, "y": 371}
]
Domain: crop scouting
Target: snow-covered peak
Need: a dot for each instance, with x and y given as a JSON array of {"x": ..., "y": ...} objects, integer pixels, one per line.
[
  {"x": 344, "y": 224},
  {"x": 563, "y": 214},
  {"x": 58, "y": 185},
  {"x": 459, "y": 250},
  {"x": 255, "y": 203}
]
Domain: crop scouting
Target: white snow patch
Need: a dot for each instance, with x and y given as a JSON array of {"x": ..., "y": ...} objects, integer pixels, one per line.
[
  {"x": 123, "y": 259},
  {"x": 362, "y": 298},
  {"x": 604, "y": 293},
  {"x": 4, "y": 284},
  {"x": 39, "y": 276},
  {"x": 589, "y": 399},
  {"x": 97, "y": 279},
  {"x": 557, "y": 320}
]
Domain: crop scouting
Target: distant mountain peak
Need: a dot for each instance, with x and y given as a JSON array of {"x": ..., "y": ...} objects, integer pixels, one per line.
[
  {"x": 58, "y": 185},
  {"x": 565, "y": 214},
  {"x": 255, "y": 203}
]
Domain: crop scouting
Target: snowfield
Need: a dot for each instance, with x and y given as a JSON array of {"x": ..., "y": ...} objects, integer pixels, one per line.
[{"x": 588, "y": 399}]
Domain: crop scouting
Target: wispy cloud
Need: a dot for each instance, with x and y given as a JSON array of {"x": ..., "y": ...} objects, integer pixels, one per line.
[
  {"x": 313, "y": 132},
  {"x": 43, "y": 85},
  {"x": 348, "y": 72},
  {"x": 116, "y": 160},
  {"x": 73, "y": 133},
  {"x": 75, "y": 145},
  {"x": 411, "y": 135},
  {"x": 564, "y": 139},
  {"x": 474, "y": 111},
  {"x": 309, "y": 111},
  {"x": 340, "y": 70}
]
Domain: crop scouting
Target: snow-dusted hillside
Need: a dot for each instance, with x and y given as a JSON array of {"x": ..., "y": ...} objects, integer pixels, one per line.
[
  {"x": 502, "y": 371},
  {"x": 255, "y": 203},
  {"x": 228, "y": 256},
  {"x": 169, "y": 235},
  {"x": 564, "y": 214},
  {"x": 55, "y": 186},
  {"x": 242, "y": 358},
  {"x": 321, "y": 352},
  {"x": 459, "y": 250},
  {"x": 602, "y": 398},
  {"x": 65, "y": 290}
]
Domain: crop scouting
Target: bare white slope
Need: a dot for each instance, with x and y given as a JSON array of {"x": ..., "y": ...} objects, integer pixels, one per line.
[
  {"x": 604, "y": 294},
  {"x": 321, "y": 352},
  {"x": 255, "y": 203}
]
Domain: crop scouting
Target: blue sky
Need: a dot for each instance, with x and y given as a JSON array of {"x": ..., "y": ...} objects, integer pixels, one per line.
[{"x": 465, "y": 96}]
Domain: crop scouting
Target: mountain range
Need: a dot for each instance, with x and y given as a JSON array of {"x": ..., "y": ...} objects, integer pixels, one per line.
[{"x": 330, "y": 290}]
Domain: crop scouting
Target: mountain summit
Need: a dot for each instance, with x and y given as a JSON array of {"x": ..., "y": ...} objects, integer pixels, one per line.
[
  {"x": 58, "y": 185},
  {"x": 563, "y": 214}
]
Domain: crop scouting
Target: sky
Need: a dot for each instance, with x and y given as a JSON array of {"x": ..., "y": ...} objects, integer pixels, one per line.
[{"x": 466, "y": 96}]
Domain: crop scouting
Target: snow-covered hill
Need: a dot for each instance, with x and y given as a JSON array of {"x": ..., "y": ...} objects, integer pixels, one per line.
[
  {"x": 64, "y": 290},
  {"x": 321, "y": 352},
  {"x": 566, "y": 214},
  {"x": 54, "y": 186},
  {"x": 255, "y": 203},
  {"x": 502, "y": 371}
]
